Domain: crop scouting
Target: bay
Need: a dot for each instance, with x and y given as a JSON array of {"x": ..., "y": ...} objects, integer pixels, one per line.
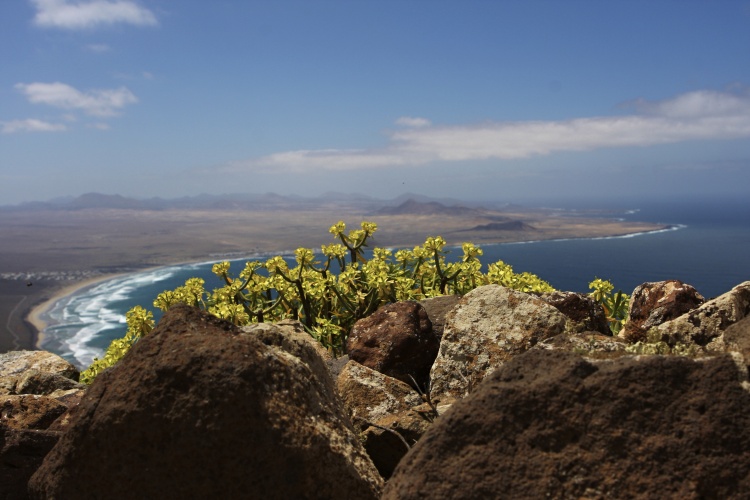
[{"x": 707, "y": 246}]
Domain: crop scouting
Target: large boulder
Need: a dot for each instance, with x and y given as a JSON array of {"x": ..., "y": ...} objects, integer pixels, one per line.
[
  {"x": 489, "y": 325},
  {"x": 553, "y": 425},
  {"x": 652, "y": 304},
  {"x": 707, "y": 322},
  {"x": 396, "y": 340},
  {"x": 201, "y": 409}
]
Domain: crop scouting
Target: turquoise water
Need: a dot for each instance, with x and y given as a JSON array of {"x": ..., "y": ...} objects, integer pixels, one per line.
[{"x": 707, "y": 246}]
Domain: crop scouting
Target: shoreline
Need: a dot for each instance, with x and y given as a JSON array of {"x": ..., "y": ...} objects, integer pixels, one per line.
[{"x": 33, "y": 314}]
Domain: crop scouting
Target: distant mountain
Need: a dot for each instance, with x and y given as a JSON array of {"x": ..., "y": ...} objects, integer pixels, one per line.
[
  {"x": 509, "y": 225},
  {"x": 413, "y": 207},
  {"x": 426, "y": 199},
  {"x": 409, "y": 203}
]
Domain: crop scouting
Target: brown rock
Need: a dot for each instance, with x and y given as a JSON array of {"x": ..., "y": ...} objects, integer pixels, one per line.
[
  {"x": 29, "y": 411},
  {"x": 369, "y": 396},
  {"x": 199, "y": 409},
  {"x": 382, "y": 408},
  {"x": 21, "y": 453},
  {"x": 490, "y": 325},
  {"x": 707, "y": 322},
  {"x": 583, "y": 312},
  {"x": 35, "y": 382},
  {"x": 396, "y": 340},
  {"x": 437, "y": 308},
  {"x": 652, "y": 304},
  {"x": 391, "y": 438},
  {"x": 18, "y": 362},
  {"x": 588, "y": 344},
  {"x": 553, "y": 425}
]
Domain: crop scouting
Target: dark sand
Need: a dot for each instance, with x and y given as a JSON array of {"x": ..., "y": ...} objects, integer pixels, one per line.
[{"x": 104, "y": 242}]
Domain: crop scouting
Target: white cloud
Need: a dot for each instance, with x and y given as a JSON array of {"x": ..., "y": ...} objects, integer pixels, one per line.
[
  {"x": 105, "y": 102},
  {"x": 409, "y": 121},
  {"x": 701, "y": 115},
  {"x": 89, "y": 14},
  {"x": 30, "y": 125},
  {"x": 697, "y": 104}
]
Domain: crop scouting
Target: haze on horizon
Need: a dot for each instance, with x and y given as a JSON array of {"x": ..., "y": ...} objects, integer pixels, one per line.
[{"x": 503, "y": 100}]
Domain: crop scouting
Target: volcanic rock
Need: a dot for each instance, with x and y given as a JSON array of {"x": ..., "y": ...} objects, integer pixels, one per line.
[
  {"x": 18, "y": 362},
  {"x": 200, "y": 409},
  {"x": 707, "y": 322},
  {"x": 490, "y": 325},
  {"x": 583, "y": 312},
  {"x": 652, "y": 304},
  {"x": 553, "y": 425},
  {"x": 437, "y": 309},
  {"x": 396, "y": 340}
]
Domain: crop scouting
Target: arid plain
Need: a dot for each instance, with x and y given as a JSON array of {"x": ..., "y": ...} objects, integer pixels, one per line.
[{"x": 46, "y": 251}]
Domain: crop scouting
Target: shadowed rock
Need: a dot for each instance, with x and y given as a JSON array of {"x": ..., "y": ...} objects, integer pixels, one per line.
[
  {"x": 396, "y": 340},
  {"x": 200, "y": 409},
  {"x": 553, "y": 425}
]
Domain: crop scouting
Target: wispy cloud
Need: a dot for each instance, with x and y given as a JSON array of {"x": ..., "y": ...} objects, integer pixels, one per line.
[
  {"x": 102, "y": 102},
  {"x": 97, "y": 48},
  {"x": 410, "y": 121},
  {"x": 700, "y": 115},
  {"x": 30, "y": 125},
  {"x": 90, "y": 14}
]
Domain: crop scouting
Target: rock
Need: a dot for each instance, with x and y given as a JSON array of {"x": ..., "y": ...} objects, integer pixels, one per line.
[
  {"x": 41, "y": 383},
  {"x": 200, "y": 409},
  {"x": 490, "y": 325},
  {"x": 35, "y": 391},
  {"x": 736, "y": 338},
  {"x": 437, "y": 308},
  {"x": 369, "y": 396},
  {"x": 708, "y": 321},
  {"x": 17, "y": 362},
  {"x": 390, "y": 414},
  {"x": 29, "y": 411},
  {"x": 652, "y": 304},
  {"x": 588, "y": 344},
  {"x": 390, "y": 439},
  {"x": 21, "y": 453},
  {"x": 396, "y": 340},
  {"x": 551, "y": 424},
  {"x": 583, "y": 312}
]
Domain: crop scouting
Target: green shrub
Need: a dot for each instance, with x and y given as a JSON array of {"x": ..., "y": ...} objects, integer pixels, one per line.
[{"x": 328, "y": 303}]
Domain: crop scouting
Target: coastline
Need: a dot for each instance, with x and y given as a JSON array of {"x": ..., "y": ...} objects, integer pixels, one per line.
[{"x": 33, "y": 314}]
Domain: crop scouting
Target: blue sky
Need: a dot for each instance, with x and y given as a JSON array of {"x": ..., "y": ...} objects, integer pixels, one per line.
[{"x": 479, "y": 100}]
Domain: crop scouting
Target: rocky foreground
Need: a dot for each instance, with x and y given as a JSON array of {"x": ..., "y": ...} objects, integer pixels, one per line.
[{"x": 497, "y": 394}]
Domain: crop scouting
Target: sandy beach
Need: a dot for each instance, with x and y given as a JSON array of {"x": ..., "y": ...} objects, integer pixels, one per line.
[
  {"x": 36, "y": 313},
  {"x": 55, "y": 253}
]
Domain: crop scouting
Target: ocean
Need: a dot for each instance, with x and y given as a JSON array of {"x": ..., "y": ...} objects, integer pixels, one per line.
[{"x": 707, "y": 246}]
